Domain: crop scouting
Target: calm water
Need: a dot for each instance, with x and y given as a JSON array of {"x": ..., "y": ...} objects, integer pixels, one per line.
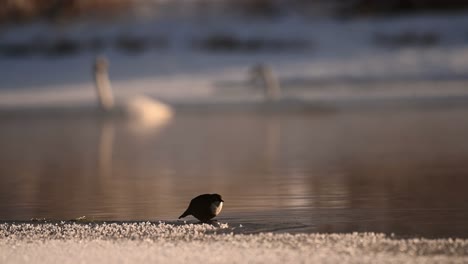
[{"x": 393, "y": 171}]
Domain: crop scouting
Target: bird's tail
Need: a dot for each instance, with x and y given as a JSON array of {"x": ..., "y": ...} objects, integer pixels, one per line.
[{"x": 184, "y": 214}]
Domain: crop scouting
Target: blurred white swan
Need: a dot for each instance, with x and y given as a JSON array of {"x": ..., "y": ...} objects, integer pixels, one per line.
[{"x": 140, "y": 109}]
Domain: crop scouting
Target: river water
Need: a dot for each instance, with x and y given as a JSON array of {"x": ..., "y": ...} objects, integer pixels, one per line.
[{"x": 401, "y": 171}]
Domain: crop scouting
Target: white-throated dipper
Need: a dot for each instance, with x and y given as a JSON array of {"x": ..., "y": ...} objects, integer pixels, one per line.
[{"x": 204, "y": 207}]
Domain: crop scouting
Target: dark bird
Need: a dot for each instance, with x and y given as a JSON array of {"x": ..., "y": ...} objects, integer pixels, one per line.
[{"x": 204, "y": 207}]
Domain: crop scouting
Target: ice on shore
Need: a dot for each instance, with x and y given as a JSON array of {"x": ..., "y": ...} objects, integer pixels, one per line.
[
  {"x": 367, "y": 58},
  {"x": 146, "y": 242}
]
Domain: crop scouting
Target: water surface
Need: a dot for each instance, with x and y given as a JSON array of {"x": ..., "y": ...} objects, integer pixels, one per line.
[{"x": 401, "y": 171}]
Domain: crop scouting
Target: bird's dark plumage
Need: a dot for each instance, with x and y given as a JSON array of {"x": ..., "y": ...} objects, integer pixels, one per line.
[{"x": 204, "y": 207}]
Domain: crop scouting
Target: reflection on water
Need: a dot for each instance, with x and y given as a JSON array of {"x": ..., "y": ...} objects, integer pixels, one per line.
[{"x": 402, "y": 172}]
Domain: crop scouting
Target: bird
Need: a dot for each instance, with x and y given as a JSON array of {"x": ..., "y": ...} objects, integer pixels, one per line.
[
  {"x": 262, "y": 74},
  {"x": 146, "y": 111},
  {"x": 204, "y": 207}
]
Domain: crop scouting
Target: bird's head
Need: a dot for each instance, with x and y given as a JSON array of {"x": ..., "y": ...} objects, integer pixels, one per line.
[{"x": 216, "y": 198}]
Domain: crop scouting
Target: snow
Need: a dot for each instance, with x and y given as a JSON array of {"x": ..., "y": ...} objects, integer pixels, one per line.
[
  {"x": 146, "y": 242},
  {"x": 341, "y": 62},
  {"x": 338, "y": 60}
]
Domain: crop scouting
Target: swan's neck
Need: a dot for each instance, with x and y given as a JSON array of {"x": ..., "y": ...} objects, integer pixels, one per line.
[{"x": 102, "y": 85}]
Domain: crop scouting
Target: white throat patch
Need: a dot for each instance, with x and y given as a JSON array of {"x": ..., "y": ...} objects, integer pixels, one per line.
[{"x": 216, "y": 207}]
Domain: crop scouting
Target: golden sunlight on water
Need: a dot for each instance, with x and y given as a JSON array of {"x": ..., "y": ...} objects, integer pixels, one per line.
[{"x": 388, "y": 171}]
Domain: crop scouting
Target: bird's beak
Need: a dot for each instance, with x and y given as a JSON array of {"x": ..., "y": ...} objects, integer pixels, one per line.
[{"x": 222, "y": 200}]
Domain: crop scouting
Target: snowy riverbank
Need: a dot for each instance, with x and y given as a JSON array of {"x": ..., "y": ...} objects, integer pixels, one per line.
[
  {"x": 146, "y": 242},
  {"x": 208, "y": 59}
]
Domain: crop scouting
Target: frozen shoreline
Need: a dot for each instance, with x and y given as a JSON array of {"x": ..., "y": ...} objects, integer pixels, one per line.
[
  {"x": 356, "y": 58},
  {"x": 146, "y": 242}
]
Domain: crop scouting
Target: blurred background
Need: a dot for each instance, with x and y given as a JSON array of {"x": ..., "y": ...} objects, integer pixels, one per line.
[{"x": 311, "y": 116}]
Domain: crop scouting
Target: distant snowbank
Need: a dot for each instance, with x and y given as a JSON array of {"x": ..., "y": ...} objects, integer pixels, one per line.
[{"x": 313, "y": 58}]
